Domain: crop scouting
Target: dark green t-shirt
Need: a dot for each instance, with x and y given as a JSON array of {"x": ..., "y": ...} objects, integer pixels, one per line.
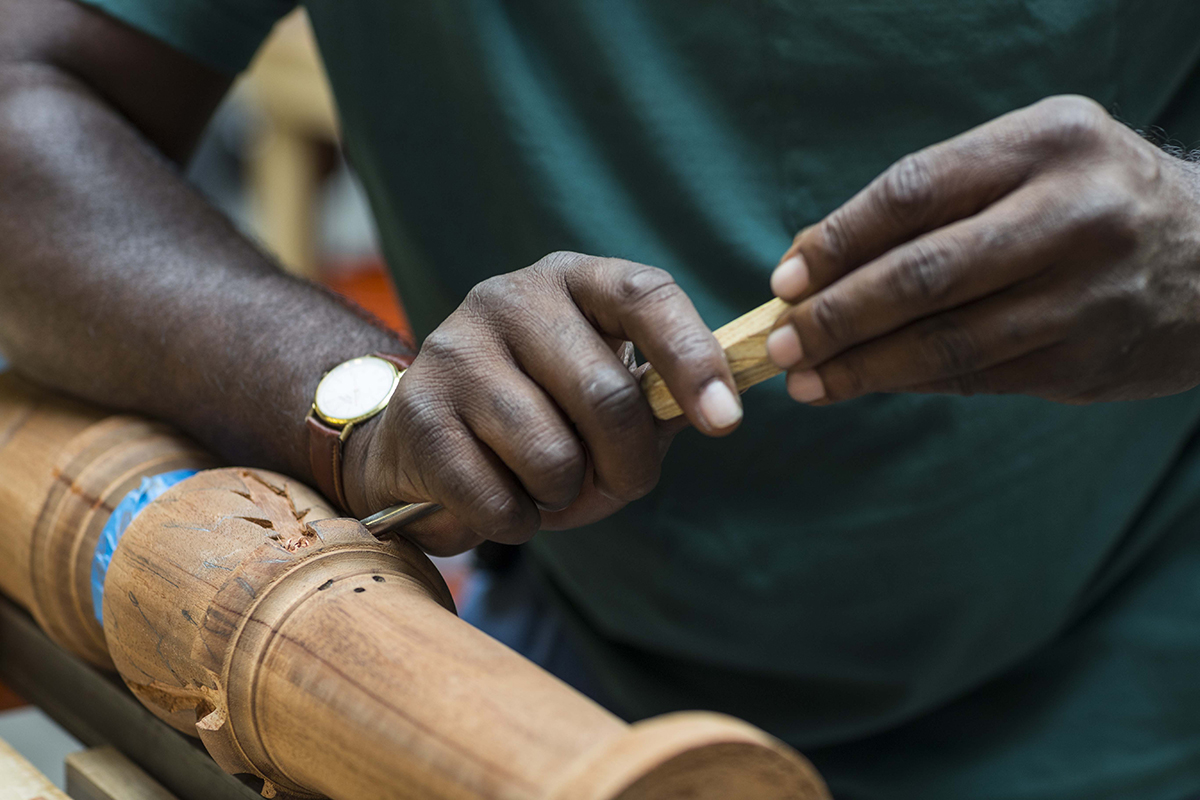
[{"x": 933, "y": 597}]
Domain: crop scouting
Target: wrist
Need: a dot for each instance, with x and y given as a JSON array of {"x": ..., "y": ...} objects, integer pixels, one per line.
[
  {"x": 357, "y": 457},
  {"x": 341, "y": 426}
]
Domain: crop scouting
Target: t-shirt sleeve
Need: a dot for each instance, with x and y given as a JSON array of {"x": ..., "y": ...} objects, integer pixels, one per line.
[{"x": 224, "y": 34}]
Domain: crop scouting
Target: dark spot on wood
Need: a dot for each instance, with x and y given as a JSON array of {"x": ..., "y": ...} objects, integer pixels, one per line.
[
  {"x": 325, "y": 585},
  {"x": 377, "y": 578},
  {"x": 72, "y": 487},
  {"x": 360, "y": 590}
]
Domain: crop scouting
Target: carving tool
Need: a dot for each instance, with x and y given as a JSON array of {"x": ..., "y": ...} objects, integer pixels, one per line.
[
  {"x": 393, "y": 518},
  {"x": 745, "y": 343},
  {"x": 303, "y": 651}
]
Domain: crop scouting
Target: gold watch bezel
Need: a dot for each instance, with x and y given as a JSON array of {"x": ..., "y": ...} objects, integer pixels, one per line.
[{"x": 397, "y": 373}]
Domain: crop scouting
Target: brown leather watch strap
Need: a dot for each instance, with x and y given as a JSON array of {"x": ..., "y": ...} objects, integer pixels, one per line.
[
  {"x": 325, "y": 444},
  {"x": 325, "y": 458}
]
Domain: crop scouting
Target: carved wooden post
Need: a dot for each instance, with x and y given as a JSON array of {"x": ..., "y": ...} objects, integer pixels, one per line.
[
  {"x": 63, "y": 467},
  {"x": 301, "y": 649}
]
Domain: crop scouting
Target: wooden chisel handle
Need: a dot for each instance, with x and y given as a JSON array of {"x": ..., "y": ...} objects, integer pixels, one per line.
[{"x": 745, "y": 344}]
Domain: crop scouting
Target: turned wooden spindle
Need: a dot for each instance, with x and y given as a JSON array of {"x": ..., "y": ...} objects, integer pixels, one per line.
[
  {"x": 301, "y": 649},
  {"x": 306, "y": 651},
  {"x": 745, "y": 343},
  {"x": 63, "y": 467}
]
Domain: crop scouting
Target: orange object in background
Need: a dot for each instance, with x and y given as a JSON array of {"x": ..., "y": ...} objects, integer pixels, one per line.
[
  {"x": 10, "y": 699},
  {"x": 366, "y": 282}
]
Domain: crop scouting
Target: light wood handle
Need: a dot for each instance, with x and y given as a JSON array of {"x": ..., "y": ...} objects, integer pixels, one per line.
[{"x": 745, "y": 343}]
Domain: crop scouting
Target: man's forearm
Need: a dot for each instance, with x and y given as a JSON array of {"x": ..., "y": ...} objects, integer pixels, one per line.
[{"x": 120, "y": 284}]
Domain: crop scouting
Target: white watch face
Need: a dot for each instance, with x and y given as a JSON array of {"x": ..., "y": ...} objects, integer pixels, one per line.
[{"x": 356, "y": 389}]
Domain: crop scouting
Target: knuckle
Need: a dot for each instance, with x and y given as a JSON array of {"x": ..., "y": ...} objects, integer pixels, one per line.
[
  {"x": 697, "y": 354},
  {"x": 1074, "y": 105},
  {"x": 846, "y": 379},
  {"x": 642, "y": 284},
  {"x": 423, "y": 432},
  {"x": 1112, "y": 216},
  {"x": 950, "y": 348},
  {"x": 1125, "y": 227},
  {"x": 1072, "y": 121},
  {"x": 496, "y": 295},
  {"x": 1145, "y": 167},
  {"x": 831, "y": 317},
  {"x": 832, "y": 238},
  {"x": 923, "y": 274},
  {"x": 504, "y": 516},
  {"x": 558, "y": 468},
  {"x": 616, "y": 400},
  {"x": 1125, "y": 310},
  {"x": 440, "y": 346},
  {"x": 560, "y": 261},
  {"x": 907, "y": 189},
  {"x": 1015, "y": 331}
]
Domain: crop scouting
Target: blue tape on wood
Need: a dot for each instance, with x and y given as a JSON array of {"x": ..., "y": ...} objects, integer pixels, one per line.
[{"x": 129, "y": 507}]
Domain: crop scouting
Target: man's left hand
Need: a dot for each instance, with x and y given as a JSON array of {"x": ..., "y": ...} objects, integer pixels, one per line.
[{"x": 1052, "y": 252}]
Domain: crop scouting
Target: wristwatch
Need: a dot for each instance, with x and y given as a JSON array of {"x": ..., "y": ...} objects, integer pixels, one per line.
[{"x": 350, "y": 393}]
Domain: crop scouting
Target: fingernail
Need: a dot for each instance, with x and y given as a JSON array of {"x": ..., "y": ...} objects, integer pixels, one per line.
[
  {"x": 805, "y": 386},
  {"x": 783, "y": 346},
  {"x": 790, "y": 278},
  {"x": 718, "y": 406}
]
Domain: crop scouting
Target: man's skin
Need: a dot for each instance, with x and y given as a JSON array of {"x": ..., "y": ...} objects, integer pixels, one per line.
[
  {"x": 1051, "y": 252},
  {"x": 120, "y": 284}
]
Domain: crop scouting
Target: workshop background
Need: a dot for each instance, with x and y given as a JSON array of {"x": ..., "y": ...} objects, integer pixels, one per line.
[{"x": 271, "y": 161}]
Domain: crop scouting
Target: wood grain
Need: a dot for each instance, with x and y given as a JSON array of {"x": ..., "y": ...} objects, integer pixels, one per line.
[
  {"x": 63, "y": 468},
  {"x": 103, "y": 773},
  {"x": 745, "y": 343},
  {"x": 20, "y": 780},
  {"x": 98, "y": 709},
  {"x": 304, "y": 651},
  {"x": 35, "y": 427}
]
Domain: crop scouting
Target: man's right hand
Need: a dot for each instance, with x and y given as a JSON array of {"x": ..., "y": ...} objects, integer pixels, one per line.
[
  {"x": 121, "y": 285},
  {"x": 523, "y": 411}
]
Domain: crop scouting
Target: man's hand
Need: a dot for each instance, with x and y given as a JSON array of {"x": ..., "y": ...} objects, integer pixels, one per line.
[
  {"x": 121, "y": 285},
  {"x": 1052, "y": 252},
  {"x": 522, "y": 411}
]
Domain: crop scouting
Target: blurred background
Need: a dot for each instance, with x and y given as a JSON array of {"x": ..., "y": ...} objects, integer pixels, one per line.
[{"x": 272, "y": 162}]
